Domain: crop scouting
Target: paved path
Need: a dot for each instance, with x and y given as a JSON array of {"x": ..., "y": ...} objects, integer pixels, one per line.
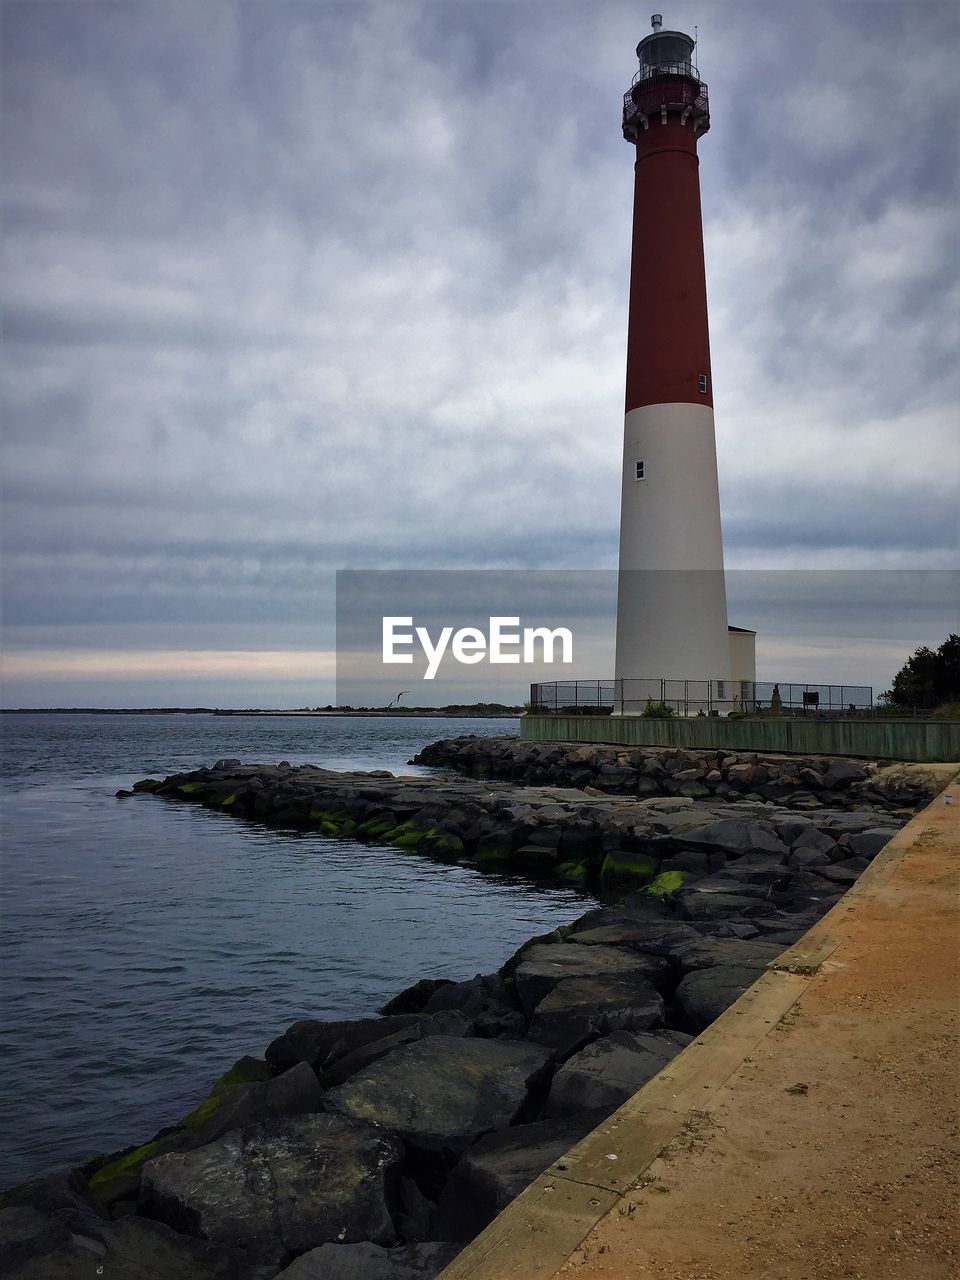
[{"x": 810, "y": 1134}]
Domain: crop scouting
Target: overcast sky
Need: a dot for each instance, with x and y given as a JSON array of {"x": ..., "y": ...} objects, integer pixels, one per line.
[{"x": 293, "y": 287}]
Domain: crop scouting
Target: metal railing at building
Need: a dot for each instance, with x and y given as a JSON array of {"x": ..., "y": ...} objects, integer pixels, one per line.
[
  {"x": 699, "y": 697},
  {"x": 672, "y": 90}
]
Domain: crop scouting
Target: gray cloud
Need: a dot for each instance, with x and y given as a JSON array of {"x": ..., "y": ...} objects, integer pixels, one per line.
[{"x": 294, "y": 287}]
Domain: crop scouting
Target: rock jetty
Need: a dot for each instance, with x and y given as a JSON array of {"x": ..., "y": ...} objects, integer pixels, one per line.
[
  {"x": 801, "y": 782},
  {"x": 375, "y": 1148}
]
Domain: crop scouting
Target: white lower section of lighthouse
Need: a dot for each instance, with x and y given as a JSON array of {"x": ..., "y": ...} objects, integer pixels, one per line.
[{"x": 672, "y": 608}]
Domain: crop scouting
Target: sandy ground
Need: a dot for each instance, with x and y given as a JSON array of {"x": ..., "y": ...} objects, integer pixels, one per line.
[{"x": 833, "y": 1151}]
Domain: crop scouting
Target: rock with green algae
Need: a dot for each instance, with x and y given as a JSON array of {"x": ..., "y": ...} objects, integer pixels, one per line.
[
  {"x": 666, "y": 882},
  {"x": 624, "y": 868},
  {"x": 242, "y": 1095},
  {"x": 573, "y": 872}
]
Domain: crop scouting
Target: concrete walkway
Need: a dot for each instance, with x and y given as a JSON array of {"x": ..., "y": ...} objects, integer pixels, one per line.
[{"x": 811, "y": 1133}]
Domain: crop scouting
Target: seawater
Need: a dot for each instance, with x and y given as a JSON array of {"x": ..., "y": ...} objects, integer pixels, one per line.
[{"x": 147, "y": 944}]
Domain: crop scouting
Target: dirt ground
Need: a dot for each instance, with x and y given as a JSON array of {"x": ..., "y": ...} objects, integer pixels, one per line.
[{"x": 833, "y": 1152}]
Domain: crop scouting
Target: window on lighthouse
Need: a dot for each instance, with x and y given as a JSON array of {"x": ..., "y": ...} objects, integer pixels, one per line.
[
  {"x": 640, "y": 470},
  {"x": 703, "y": 384}
]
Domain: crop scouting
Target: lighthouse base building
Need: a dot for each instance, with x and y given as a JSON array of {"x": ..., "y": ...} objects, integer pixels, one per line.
[{"x": 672, "y": 607}]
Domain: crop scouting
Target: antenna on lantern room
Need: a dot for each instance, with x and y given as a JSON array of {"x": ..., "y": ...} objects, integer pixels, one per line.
[{"x": 656, "y": 21}]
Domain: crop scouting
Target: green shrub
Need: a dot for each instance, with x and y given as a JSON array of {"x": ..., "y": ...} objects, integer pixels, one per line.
[{"x": 657, "y": 710}]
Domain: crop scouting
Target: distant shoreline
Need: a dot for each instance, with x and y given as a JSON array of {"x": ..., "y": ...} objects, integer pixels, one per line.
[{"x": 402, "y": 713}]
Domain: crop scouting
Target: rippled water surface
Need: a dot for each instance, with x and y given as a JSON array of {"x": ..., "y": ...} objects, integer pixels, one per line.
[{"x": 147, "y": 944}]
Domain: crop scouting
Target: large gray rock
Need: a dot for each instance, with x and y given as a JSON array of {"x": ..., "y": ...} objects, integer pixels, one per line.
[
  {"x": 319, "y": 1043},
  {"x": 446, "y": 1022},
  {"x": 693, "y": 862},
  {"x": 368, "y": 1261},
  {"x": 801, "y": 859},
  {"x": 580, "y": 1009},
  {"x": 44, "y": 1212},
  {"x": 812, "y": 839},
  {"x": 244, "y": 1095},
  {"x": 610, "y": 1070},
  {"x": 497, "y": 1168},
  {"x": 653, "y": 937},
  {"x": 844, "y": 873},
  {"x": 707, "y": 953},
  {"x": 712, "y": 905},
  {"x": 544, "y": 966},
  {"x": 867, "y": 844},
  {"x": 704, "y": 994},
  {"x": 298, "y": 1182},
  {"x": 296, "y": 1092},
  {"x": 442, "y": 1094},
  {"x": 488, "y": 1000},
  {"x": 130, "y": 1249},
  {"x": 842, "y": 773},
  {"x": 731, "y": 883},
  {"x": 735, "y": 835}
]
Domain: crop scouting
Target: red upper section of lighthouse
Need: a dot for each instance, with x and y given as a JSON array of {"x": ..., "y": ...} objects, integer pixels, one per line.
[{"x": 665, "y": 111}]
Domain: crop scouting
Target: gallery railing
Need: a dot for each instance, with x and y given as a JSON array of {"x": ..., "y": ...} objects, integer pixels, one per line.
[{"x": 699, "y": 697}]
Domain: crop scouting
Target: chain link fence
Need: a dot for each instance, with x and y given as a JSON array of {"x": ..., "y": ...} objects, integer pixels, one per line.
[{"x": 700, "y": 697}]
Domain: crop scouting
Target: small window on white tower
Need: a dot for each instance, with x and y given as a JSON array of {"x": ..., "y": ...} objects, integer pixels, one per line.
[
  {"x": 641, "y": 469},
  {"x": 703, "y": 384}
]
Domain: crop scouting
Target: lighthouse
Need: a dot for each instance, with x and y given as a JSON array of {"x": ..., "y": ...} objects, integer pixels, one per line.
[{"x": 671, "y": 604}]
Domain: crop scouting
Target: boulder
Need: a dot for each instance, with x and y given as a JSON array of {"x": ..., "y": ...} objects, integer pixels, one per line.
[
  {"x": 622, "y": 867},
  {"x": 718, "y": 906},
  {"x": 368, "y": 1261},
  {"x": 234, "y": 1106},
  {"x": 488, "y": 1001},
  {"x": 580, "y": 1009},
  {"x": 736, "y": 881},
  {"x": 705, "y": 993},
  {"x": 413, "y": 998},
  {"x": 844, "y": 873},
  {"x": 693, "y": 861},
  {"x": 804, "y": 858},
  {"x": 656, "y": 938},
  {"x": 726, "y": 928},
  {"x": 446, "y": 1022},
  {"x": 735, "y": 835},
  {"x": 610, "y": 1070},
  {"x": 867, "y": 844},
  {"x": 812, "y": 840},
  {"x": 797, "y": 923},
  {"x": 243, "y": 1095},
  {"x": 135, "y": 1249},
  {"x": 440, "y": 1095},
  {"x": 842, "y": 773},
  {"x": 497, "y": 1168},
  {"x": 56, "y": 1218},
  {"x": 296, "y": 1182},
  {"x": 544, "y": 966},
  {"x": 707, "y": 953},
  {"x": 318, "y": 1042}
]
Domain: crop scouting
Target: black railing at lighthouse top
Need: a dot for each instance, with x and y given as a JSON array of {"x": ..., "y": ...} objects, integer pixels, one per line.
[{"x": 673, "y": 90}]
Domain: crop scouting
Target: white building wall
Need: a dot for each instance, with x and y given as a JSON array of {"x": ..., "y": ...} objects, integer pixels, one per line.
[{"x": 672, "y": 610}]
